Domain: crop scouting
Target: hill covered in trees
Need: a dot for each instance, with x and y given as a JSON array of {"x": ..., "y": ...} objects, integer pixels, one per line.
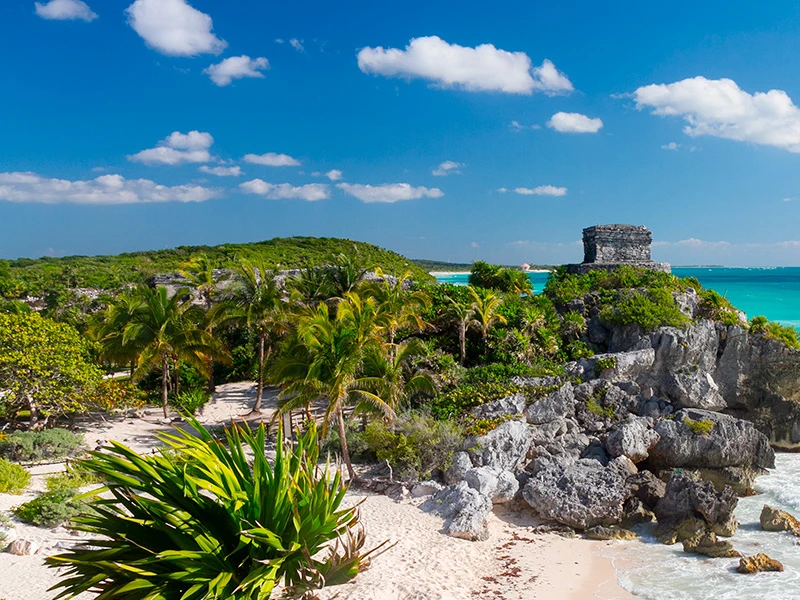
[{"x": 40, "y": 276}]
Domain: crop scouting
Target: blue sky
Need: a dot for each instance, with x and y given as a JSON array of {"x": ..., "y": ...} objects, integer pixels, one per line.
[{"x": 453, "y": 131}]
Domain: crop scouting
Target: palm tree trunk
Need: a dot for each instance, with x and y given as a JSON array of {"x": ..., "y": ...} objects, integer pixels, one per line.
[
  {"x": 260, "y": 384},
  {"x": 462, "y": 340},
  {"x": 164, "y": 384},
  {"x": 343, "y": 439},
  {"x": 34, "y": 412},
  {"x": 177, "y": 378}
]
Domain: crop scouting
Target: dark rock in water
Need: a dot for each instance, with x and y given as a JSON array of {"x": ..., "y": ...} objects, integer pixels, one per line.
[
  {"x": 773, "y": 519},
  {"x": 503, "y": 448},
  {"x": 581, "y": 495},
  {"x": 677, "y": 529},
  {"x": 609, "y": 533},
  {"x": 646, "y": 487},
  {"x": 708, "y": 545},
  {"x": 635, "y": 513},
  {"x": 690, "y": 499},
  {"x": 464, "y": 510},
  {"x": 758, "y": 564},
  {"x": 730, "y": 442},
  {"x": 739, "y": 479}
]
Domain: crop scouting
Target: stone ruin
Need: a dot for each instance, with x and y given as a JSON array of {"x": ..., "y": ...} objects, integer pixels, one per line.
[{"x": 611, "y": 246}]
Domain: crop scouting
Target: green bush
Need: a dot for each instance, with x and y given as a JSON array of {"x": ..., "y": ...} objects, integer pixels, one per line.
[
  {"x": 716, "y": 307},
  {"x": 577, "y": 350},
  {"x": 190, "y": 401},
  {"x": 75, "y": 477},
  {"x": 562, "y": 287},
  {"x": 414, "y": 445},
  {"x": 503, "y": 279},
  {"x": 224, "y": 524},
  {"x": 469, "y": 395},
  {"x": 36, "y": 446},
  {"x": 775, "y": 331},
  {"x": 603, "y": 364},
  {"x": 649, "y": 310},
  {"x": 701, "y": 427},
  {"x": 480, "y": 427},
  {"x": 13, "y": 478},
  {"x": 51, "y": 508}
]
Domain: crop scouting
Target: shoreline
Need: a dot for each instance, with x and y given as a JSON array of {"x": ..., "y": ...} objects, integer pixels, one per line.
[{"x": 443, "y": 273}]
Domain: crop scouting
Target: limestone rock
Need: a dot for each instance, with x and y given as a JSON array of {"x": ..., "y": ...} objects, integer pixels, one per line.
[
  {"x": 426, "y": 488},
  {"x": 499, "y": 487},
  {"x": 609, "y": 533},
  {"x": 463, "y": 509},
  {"x": 730, "y": 443},
  {"x": 501, "y": 449},
  {"x": 509, "y": 406},
  {"x": 557, "y": 404},
  {"x": 459, "y": 465},
  {"x": 633, "y": 439},
  {"x": 708, "y": 545},
  {"x": 687, "y": 498},
  {"x": 646, "y": 487},
  {"x": 634, "y": 512},
  {"x": 693, "y": 389},
  {"x": 758, "y": 564},
  {"x": 581, "y": 495},
  {"x": 773, "y": 519}
]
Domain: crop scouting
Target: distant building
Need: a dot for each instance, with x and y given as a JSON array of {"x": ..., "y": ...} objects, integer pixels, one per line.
[
  {"x": 525, "y": 267},
  {"x": 611, "y": 246}
]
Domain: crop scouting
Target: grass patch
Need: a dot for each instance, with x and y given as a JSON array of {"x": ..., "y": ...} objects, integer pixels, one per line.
[
  {"x": 775, "y": 331},
  {"x": 13, "y": 478},
  {"x": 701, "y": 427}
]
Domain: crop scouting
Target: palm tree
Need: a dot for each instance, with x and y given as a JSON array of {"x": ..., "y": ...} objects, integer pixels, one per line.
[
  {"x": 311, "y": 285},
  {"x": 345, "y": 272},
  {"x": 167, "y": 333},
  {"x": 256, "y": 301},
  {"x": 199, "y": 272},
  {"x": 323, "y": 360},
  {"x": 460, "y": 313},
  {"x": 393, "y": 375},
  {"x": 485, "y": 313},
  {"x": 398, "y": 307},
  {"x": 110, "y": 329}
]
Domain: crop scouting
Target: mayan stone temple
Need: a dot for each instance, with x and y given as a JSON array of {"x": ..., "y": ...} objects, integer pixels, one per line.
[{"x": 611, "y": 246}]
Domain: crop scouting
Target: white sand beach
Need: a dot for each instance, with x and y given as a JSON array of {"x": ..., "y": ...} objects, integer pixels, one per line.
[{"x": 423, "y": 563}]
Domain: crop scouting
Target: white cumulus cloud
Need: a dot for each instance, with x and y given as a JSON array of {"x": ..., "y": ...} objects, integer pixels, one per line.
[
  {"x": 388, "y": 192},
  {"x": 237, "y": 67},
  {"x": 542, "y": 190},
  {"x": 448, "y": 167},
  {"x": 671, "y": 146},
  {"x": 222, "y": 171},
  {"x": 574, "y": 123},
  {"x": 479, "y": 69},
  {"x": 104, "y": 190},
  {"x": 334, "y": 174},
  {"x": 271, "y": 159},
  {"x": 174, "y": 28},
  {"x": 65, "y": 10},
  {"x": 178, "y": 149},
  {"x": 310, "y": 192},
  {"x": 297, "y": 44},
  {"x": 719, "y": 108}
]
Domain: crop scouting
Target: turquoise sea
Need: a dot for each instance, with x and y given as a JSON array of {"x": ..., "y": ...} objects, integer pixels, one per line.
[{"x": 773, "y": 292}]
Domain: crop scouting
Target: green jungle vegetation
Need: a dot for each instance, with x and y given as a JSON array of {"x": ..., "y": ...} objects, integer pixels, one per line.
[{"x": 391, "y": 368}]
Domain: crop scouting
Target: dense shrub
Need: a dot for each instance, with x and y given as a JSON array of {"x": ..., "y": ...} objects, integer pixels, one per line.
[
  {"x": 649, "y": 310},
  {"x": 469, "y": 395},
  {"x": 775, "y": 331},
  {"x": 414, "y": 444},
  {"x": 225, "y": 524},
  {"x": 75, "y": 477},
  {"x": 13, "y": 478},
  {"x": 716, "y": 307},
  {"x": 562, "y": 287},
  {"x": 578, "y": 349},
  {"x": 700, "y": 427},
  {"x": 502, "y": 279},
  {"x": 51, "y": 508},
  {"x": 36, "y": 446},
  {"x": 190, "y": 401}
]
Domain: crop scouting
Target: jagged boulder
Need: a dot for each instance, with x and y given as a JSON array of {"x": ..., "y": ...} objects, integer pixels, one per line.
[
  {"x": 773, "y": 519},
  {"x": 463, "y": 509},
  {"x": 580, "y": 495},
  {"x": 758, "y": 564},
  {"x": 556, "y": 405},
  {"x": 707, "y": 544},
  {"x": 633, "y": 439},
  {"x": 499, "y": 487},
  {"x": 459, "y": 465},
  {"x": 689, "y": 500},
  {"x": 688, "y": 388},
  {"x": 508, "y": 406},
  {"x": 621, "y": 366},
  {"x": 645, "y": 486},
  {"x": 729, "y": 442},
  {"x": 503, "y": 448}
]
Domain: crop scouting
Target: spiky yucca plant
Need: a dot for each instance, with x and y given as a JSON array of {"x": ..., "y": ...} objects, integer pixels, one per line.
[{"x": 206, "y": 521}]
